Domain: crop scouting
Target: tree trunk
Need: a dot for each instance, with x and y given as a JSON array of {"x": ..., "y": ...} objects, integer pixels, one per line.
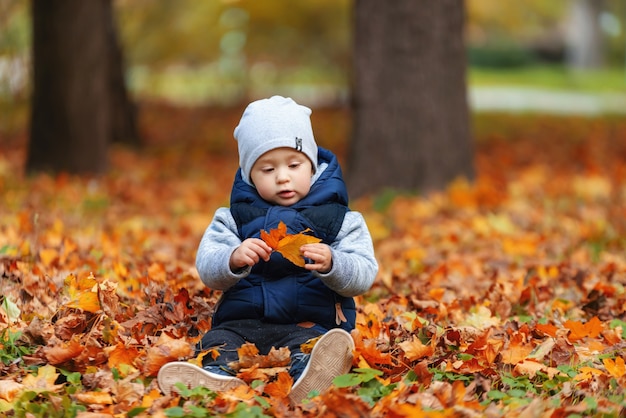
[
  {"x": 123, "y": 110},
  {"x": 411, "y": 118},
  {"x": 76, "y": 103},
  {"x": 585, "y": 43}
]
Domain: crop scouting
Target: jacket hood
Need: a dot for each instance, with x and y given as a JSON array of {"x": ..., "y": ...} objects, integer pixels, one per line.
[{"x": 328, "y": 186}]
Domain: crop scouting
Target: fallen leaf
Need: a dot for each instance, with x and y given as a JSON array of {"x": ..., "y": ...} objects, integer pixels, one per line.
[
  {"x": 415, "y": 349},
  {"x": 616, "y": 368},
  {"x": 48, "y": 256},
  {"x": 94, "y": 398},
  {"x": 9, "y": 389},
  {"x": 586, "y": 373},
  {"x": 165, "y": 350},
  {"x": 107, "y": 298},
  {"x": 530, "y": 369},
  {"x": 83, "y": 293},
  {"x": 62, "y": 352},
  {"x": 249, "y": 357},
  {"x": 547, "y": 329},
  {"x": 43, "y": 381},
  {"x": 281, "y": 387},
  {"x": 121, "y": 354},
  {"x": 579, "y": 330}
]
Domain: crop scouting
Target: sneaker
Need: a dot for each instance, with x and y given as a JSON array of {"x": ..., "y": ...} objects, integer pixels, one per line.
[
  {"x": 192, "y": 376},
  {"x": 331, "y": 357}
]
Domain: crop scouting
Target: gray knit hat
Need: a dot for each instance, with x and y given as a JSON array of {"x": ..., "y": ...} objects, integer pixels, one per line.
[{"x": 272, "y": 123}]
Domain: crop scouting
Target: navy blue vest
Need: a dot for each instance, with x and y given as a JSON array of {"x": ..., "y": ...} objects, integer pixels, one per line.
[{"x": 278, "y": 291}]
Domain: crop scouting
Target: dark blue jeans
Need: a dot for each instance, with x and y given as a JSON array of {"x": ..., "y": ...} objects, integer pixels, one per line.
[{"x": 227, "y": 337}]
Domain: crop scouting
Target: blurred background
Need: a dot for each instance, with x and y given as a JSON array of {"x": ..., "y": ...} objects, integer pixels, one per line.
[{"x": 214, "y": 52}]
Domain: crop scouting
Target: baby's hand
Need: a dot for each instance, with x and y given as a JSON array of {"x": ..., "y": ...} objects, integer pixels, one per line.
[
  {"x": 320, "y": 255},
  {"x": 250, "y": 252}
]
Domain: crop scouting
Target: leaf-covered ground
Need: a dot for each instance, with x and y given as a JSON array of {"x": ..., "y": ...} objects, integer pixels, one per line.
[{"x": 502, "y": 298}]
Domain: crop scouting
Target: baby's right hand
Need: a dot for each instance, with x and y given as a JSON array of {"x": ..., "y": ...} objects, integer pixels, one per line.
[{"x": 250, "y": 252}]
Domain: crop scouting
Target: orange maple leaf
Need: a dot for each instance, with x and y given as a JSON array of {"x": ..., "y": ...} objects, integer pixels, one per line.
[
  {"x": 578, "y": 330},
  {"x": 415, "y": 350},
  {"x": 518, "y": 349},
  {"x": 616, "y": 368},
  {"x": 547, "y": 329},
  {"x": 275, "y": 235},
  {"x": 121, "y": 354},
  {"x": 288, "y": 244},
  {"x": 281, "y": 386}
]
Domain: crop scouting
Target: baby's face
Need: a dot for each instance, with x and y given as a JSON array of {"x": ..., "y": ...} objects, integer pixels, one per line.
[{"x": 282, "y": 176}]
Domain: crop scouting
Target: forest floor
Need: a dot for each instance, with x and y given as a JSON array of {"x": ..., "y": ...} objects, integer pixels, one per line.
[{"x": 499, "y": 297}]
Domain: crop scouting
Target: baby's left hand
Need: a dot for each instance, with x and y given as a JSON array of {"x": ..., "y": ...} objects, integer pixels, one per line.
[{"x": 320, "y": 255}]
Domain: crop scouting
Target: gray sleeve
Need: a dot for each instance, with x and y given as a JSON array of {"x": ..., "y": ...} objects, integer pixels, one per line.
[
  {"x": 354, "y": 264},
  {"x": 212, "y": 259}
]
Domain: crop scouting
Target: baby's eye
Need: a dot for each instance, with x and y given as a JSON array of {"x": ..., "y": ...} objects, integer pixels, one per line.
[
  {"x": 294, "y": 165},
  {"x": 267, "y": 169}
]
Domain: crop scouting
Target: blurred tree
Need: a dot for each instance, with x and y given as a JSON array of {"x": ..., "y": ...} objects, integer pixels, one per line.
[
  {"x": 230, "y": 51},
  {"x": 585, "y": 40},
  {"x": 77, "y": 88},
  {"x": 123, "y": 111},
  {"x": 411, "y": 118}
]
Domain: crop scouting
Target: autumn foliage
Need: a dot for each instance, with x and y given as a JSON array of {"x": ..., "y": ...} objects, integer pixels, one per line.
[{"x": 504, "y": 297}]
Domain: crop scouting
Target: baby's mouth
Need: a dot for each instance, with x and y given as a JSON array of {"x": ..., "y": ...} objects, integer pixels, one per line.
[{"x": 286, "y": 193}]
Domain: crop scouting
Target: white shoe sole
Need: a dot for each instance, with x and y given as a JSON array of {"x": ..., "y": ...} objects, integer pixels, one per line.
[
  {"x": 331, "y": 357},
  {"x": 193, "y": 376}
]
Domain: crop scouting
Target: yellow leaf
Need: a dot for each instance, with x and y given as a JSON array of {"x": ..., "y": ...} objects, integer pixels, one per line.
[
  {"x": 363, "y": 364},
  {"x": 83, "y": 293},
  {"x": 308, "y": 345},
  {"x": 48, "y": 255},
  {"x": 616, "y": 368},
  {"x": 120, "y": 270},
  {"x": 586, "y": 373},
  {"x": 86, "y": 301},
  {"x": 197, "y": 361},
  {"x": 288, "y": 245},
  {"x": 80, "y": 283},
  {"x": 150, "y": 397},
  {"x": 43, "y": 381}
]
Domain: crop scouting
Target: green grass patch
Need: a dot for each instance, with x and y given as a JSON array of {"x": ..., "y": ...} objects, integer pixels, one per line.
[{"x": 612, "y": 80}]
